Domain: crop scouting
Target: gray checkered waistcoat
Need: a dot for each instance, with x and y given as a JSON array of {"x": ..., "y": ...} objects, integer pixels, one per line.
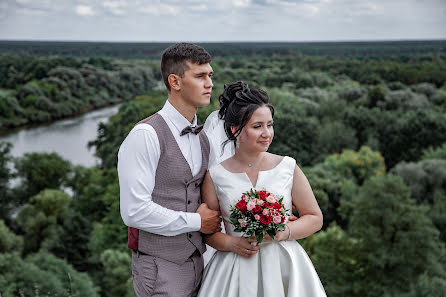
[{"x": 176, "y": 189}]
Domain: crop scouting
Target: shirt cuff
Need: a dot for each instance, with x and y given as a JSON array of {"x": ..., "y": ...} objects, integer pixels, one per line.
[{"x": 194, "y": 221}]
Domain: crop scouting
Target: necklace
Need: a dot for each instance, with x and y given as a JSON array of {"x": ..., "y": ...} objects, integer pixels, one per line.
[{"x": 255, "y": 164}]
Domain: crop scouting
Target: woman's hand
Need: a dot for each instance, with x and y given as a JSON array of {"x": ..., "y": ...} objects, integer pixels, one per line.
[
  {"x": 281, "y": 235},
  {"x": 242, "y": 246}
]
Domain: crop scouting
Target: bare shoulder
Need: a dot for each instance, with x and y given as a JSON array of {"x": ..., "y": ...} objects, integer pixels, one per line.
[
  {"x": 229, "y": 164},
  {"x": 273, "y": 160}
]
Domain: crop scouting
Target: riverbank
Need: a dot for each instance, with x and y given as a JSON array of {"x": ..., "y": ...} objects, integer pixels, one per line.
[{"x": 68, "y": 137}]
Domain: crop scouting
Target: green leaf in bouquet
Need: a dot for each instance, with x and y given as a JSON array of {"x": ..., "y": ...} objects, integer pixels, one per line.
[
  {"x": 271, "y": 233},
  {"x": 259, "y": 237},
  {"x": 233, "y": 218}
]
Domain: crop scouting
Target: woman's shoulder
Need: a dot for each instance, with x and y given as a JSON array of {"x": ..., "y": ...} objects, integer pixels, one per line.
[
  {"x": 217, "y": 170},
  {"x": 213, "y": 168},
  {"x": 276, "y": 160}
]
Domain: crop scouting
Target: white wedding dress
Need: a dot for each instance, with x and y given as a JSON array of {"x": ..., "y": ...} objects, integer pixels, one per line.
[{"x": 279, "y": 268}]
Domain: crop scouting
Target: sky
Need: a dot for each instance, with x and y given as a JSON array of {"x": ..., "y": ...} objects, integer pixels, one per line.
[{"x": 222, "y": 20}]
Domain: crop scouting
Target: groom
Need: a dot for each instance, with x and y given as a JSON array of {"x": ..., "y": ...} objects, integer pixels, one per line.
[{"x": 161, "y": 165}]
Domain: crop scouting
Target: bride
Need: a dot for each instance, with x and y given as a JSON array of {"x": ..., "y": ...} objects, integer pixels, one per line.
[{"x": 277, "y": 267}]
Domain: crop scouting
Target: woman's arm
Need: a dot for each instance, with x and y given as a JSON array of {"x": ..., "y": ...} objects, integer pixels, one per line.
[
  {"x": 221, "y": 241},
  {"x": 310, "y": 220}
]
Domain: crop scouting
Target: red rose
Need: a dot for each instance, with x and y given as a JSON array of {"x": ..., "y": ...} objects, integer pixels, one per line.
[
  {"x": 257, "y": 209},
  {"x": 265, "y": 220},
  {"x": 263, "y": 194},
  {"x": 283, "y": 220},
  {"x": 241, "y": 205},
  {"x": 276, "y": 205}
]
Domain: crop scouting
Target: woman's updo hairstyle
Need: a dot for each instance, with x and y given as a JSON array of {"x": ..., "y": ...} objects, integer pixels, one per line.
[{"x": 237, "y": 104}]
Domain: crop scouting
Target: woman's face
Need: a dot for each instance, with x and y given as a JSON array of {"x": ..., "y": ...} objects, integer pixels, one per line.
[{"x": 258, "y": 133}]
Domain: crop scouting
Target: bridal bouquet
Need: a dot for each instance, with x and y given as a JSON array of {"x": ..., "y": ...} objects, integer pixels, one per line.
[{"x": 257, "y": 213}]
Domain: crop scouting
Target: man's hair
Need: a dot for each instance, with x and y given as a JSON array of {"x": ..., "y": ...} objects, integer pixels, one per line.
[{"x": 175, "y": 57}]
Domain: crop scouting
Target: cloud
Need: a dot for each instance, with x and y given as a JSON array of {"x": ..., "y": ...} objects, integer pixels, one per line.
[
  {"x": 3, "y": 9},
  {"x": 241, "y": 3},
  {"x": 230, "y": 20},
  {"x": 84, "y": 10},
  {"x": 161, "y": 9},
  {"x": 36, "y": 7},
  {"x": 364, "y": 9},
  {"x": 200, "y": 7},
  {"x": 115, "y": 7}
]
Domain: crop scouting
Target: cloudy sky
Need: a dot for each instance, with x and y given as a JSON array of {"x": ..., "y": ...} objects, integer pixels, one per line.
[{"x": 222, "y": 20}]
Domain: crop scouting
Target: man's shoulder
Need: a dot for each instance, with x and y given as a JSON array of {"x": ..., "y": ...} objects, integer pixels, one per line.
[
  {"x": 140, "y": 132},
  {"x": 149, "y": 119}
]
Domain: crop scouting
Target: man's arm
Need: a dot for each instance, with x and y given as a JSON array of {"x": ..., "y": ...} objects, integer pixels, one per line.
[{"x": 137, "y": 162}]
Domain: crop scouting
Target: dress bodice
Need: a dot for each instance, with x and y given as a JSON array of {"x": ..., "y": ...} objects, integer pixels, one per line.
[{"x": 229, "y": 186}]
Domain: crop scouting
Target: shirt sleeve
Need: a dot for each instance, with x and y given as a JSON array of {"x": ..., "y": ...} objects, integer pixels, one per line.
[
  {"x": 138, "y": 159},
  {"x": 212, "y": 155}
]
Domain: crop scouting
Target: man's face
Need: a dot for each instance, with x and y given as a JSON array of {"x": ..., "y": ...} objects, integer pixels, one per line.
[{"x": 196, "y": 84}]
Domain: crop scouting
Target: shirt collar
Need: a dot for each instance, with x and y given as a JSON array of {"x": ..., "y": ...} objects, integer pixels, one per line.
[{"x": 177, "y": 119}]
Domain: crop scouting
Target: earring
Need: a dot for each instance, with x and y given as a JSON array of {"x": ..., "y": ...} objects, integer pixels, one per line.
[{"x": 237, "y": 143}]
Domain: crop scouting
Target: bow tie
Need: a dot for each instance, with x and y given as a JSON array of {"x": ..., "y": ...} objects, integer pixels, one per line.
[{"x": 190, "y": 129}]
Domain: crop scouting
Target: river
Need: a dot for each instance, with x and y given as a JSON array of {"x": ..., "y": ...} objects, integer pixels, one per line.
[{"x": 68, "y": 137}]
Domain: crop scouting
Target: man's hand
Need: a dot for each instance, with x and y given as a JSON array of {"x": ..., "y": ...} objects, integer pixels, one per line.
[{"x": 210, "y": 219}]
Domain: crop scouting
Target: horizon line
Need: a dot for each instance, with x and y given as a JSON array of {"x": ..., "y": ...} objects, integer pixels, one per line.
[{"x": 228, "y": 41}]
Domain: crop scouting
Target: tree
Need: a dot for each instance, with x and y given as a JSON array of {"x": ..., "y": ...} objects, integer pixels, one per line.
[
  {"x": 71, "y": 241},
  {"x": 330, "y": 190},
  {"x": 75, "y": 283},
  {"x": 427, "y": 182},
  {"x": 334, "y": 255},
  {"x": 41, "y": 274},
  {"x": 41, "y": 219},
  {"x": 295, "y": 136},
  {"x": 88, "y": 186},
  {"x": 437, "y": 213},
  {"x": 427, "y": 287},
  {"x": 39, "y": 171},
  {"x": 358, "y": 166},
  {"x": 375, "y": 95},
  {"x": 404, "y": 136},
  {"x": 424, "y": 178},
  {"x": 21, "y": 277},
  {"x": 9, "y": 242},
  {"x": 403, "y": 100},
  {"x": 110, "y": 232},
  {"x": 5, "y": 176},
  {"x": 117, "y": 280},
  {"x": 435, "y": 153},
  {"x": 334, "y": 136},
  {"x": 397, "y": 240}
]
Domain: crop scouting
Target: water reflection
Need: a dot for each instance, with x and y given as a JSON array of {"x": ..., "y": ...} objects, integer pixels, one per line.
[{"x": 68, "y": 138}]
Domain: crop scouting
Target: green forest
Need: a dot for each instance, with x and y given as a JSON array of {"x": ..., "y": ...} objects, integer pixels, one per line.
[{"x": 365, "y": 121}]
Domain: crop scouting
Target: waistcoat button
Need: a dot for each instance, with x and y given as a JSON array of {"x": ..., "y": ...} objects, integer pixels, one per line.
[{"x": 188, "y": 201}]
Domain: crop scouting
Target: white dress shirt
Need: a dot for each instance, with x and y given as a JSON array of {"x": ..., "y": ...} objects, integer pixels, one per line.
[{"x": 138, "y": 159}]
